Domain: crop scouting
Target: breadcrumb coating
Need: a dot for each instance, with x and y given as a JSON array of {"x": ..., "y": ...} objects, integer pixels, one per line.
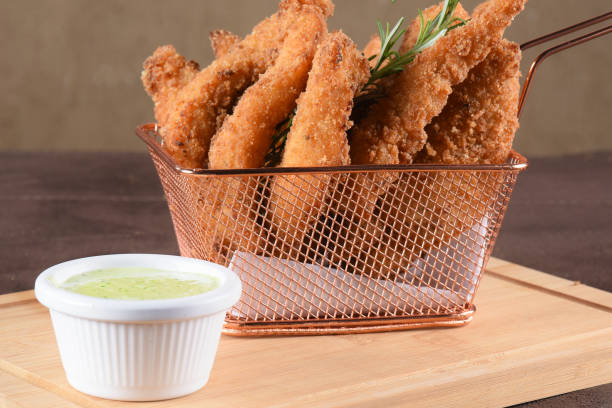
[
  {"x": 372, "y": 49},
  {"x": 318, "y": 136},
  {"x": 164, "y": 74},
  {"x": 246, "y": 135},
  {"x": 477, "y": 126},
  {"x": 478, "y": 123},
  {"x": 222, "y": 42},
  {"x": 393, "y": 132},
  {"x": 190, "y": 126}
]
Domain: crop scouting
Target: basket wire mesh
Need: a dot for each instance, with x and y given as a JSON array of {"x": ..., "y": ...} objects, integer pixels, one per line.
[
  {"x": 348, "y": 249},
  {"x": 344, "y": 262}
]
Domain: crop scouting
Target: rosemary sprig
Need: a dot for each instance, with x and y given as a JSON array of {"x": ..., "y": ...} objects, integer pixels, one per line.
[
  {"x": 275, "y": 153},
  {"x": 388, "y": 62}
]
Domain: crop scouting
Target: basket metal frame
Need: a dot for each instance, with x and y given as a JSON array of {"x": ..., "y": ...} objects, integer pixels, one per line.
[
  {"x": 148, "y": 133},
  {"x": 312, "y": 326},
  {"x": 237, "y": 326}
]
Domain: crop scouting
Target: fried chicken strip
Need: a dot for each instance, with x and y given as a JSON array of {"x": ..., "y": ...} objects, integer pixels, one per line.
[
  {"x": 246, "y": 135},
  {"x": 222, "y": 42},
  {"x": 244, "y": 138},
  {"x": 203, "y": 107},
  {"x": 478, "y": 123},
  {"x": 188, "y": 130},
  {"x": 317, "y": 137},
  {"x": 367, "y": 191},
  {"x": 475, "y": 127},
  {"x": 394, "y": 132},
  {"x": 164, "y": 74},
  {"x": 362, "y": 191}
]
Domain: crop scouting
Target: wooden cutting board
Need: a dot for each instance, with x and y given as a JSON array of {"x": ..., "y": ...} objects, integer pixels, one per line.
[{"x": 533, "y": 336}]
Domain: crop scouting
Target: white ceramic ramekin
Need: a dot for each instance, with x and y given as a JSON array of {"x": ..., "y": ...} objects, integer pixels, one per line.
[{"x": 137, "y": 350}]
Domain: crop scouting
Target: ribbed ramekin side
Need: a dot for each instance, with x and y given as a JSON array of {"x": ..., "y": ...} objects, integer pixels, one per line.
[{"x": 137, "y": 361}]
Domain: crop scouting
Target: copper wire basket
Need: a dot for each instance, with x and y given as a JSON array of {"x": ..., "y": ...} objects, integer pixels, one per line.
[{"x": 358, "y": 248}]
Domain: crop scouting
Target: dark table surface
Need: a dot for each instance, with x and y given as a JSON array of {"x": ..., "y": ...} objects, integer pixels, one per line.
[{"x": 61, "y": 206}]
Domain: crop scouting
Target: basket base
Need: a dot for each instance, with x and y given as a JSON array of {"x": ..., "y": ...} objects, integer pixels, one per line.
[{"x": 237, "y": 328}]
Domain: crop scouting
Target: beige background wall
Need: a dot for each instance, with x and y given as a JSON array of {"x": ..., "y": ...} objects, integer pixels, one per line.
[{"x": 69, "y": 69}]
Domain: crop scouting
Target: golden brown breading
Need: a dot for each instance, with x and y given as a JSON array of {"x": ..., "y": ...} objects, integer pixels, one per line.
[
  {"x": 317, "y": 136},
  {"x": 246, "y": 135},
  {"x": 326, "y": 7},
  {"x": 367, "y": 190},
  {"x": 359, "y": 192},
  {"x": 188, "y": 131},
  {"x": 394, "y": 132},
  {"x": 476, "y": 127},
  {"x": 222, "y": 42},
  {"x": 362, "y": 191},
  {"x": 372, "y": 49},
  {"x": 164, "y": 74},
  {"x": 422, "y": 227},
  {"x": 478, "y": 123}
]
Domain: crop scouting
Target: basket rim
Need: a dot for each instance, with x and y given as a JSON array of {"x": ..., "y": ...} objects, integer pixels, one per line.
[{"x": 145, "y": 133}]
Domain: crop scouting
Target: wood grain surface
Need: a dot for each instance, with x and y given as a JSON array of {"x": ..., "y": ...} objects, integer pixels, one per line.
[{"x": 533, "y": 336}]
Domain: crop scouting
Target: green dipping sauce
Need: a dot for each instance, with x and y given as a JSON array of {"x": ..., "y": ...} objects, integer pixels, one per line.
[{"x": 139, "y": 284}]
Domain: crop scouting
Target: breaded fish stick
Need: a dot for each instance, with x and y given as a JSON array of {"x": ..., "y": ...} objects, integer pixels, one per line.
[
  {"x": 478, "y": 123},
  {"x": 188, "y": 131},
  {"x": 222, "y": 42},
  {"x": 164, "y": 74},
  {"x": 317, "y": 137},
  {"x": 394, "y": 132}
]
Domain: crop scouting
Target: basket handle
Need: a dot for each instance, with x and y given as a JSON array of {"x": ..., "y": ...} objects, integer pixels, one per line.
[{"x": 556, "y": 49}]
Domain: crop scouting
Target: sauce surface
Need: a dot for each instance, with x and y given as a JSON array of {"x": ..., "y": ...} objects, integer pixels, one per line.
[{"x": 139, "y": 284}]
